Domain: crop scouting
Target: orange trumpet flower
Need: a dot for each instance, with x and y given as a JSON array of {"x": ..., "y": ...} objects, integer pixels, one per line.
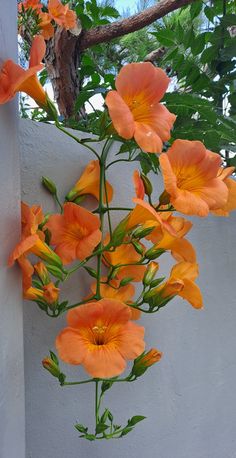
[
  {"x": 144, "y": 213},
  {"x": 230, "y": 205},
  {"x": 125, "y": 254},
  {"x": 61, "y": 14},
  {"x": 134, "y": 107},
  {"x": 89, "y": 183},
  {"x": 190, "y": 177},
  {"x": 46, "y": 27},
  {"x": 33, "y": 4},
  {"x": 29, "y": 292},
  {"x": 75, "y": 233},
  {"x": 181, "y": 283},
  {"x": 181, "y": 249},
  {"x": 121, "y": 293},
  {"x": 14, "y": 78},
  {"x": 101, "y": 337},
  {"x": 138, "y": 185}
]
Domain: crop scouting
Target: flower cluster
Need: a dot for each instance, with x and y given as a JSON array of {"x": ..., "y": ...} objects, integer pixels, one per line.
[
  {"x": 103, "y": 333},
  {"x": 46, "y": 18}
]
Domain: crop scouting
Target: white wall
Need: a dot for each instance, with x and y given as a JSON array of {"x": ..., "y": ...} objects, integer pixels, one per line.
[
  {"x": 189, "y": 397},
  {"x": 12, "y": 437}
]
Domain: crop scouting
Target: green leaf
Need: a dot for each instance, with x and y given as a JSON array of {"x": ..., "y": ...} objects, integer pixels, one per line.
[
  {"x": 101, "y": 427},
  {"x": 81, "y": 428},
  {"x": 106, "y": 385},
  {"x": 166, "y": 37},
  {"x": 136, "y": 419},
  {"x": 198, "y": 44},
  {"x": 209, "y": 54},
  {"x": 109, "y": 11},
  {"x": 228, "y": 52},
  {"x": 209, "y": 13},
  {"x": 228, "y": 20},
  {"x": 195, "y": 8},
  {"x": 126, "y": 431}
]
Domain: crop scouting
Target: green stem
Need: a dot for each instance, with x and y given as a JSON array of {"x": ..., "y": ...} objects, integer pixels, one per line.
[
  {"x": 76, "y": 139},
  {"x": 79, "y": 303},
  {"x": 117, "y": 160},
  {"x": 96, "y": 404},
  {"x": 78, "y": 383},
  {"x": 102, "y": 161}
]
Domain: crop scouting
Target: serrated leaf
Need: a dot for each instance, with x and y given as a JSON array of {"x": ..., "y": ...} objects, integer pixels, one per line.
[
  {"x": 136, "y": 419},
  {"x": 166, "y": 37}
]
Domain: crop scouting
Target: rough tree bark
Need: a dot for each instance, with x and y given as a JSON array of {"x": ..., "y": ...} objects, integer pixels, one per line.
[{"x": 64, "y": 50}]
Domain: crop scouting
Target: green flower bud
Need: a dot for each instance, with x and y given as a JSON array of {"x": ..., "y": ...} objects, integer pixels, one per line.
[
  {"x": 49, "y": 185},
  {"x": 147, "y": 184}
]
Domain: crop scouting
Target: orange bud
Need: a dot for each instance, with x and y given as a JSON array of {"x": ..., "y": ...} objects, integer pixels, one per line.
[
  {"x": 42, "y": 272},
  {"x": 150, "y": 273},
  {"x": 146, "y": 360},
  {"x": 51, "y": 367},
  {"x": 51, "y": 293}
]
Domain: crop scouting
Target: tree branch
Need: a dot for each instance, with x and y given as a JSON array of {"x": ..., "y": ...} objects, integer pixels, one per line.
[{"x": 117, "y": 29}]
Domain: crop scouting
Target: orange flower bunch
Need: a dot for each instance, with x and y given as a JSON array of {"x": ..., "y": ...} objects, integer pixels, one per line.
[
  {"x": 55, "y": 13},
  {"x": 123, "y": 262}
]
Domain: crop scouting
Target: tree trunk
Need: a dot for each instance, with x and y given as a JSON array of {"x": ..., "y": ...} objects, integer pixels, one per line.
[{"x": 62, "y": 62}]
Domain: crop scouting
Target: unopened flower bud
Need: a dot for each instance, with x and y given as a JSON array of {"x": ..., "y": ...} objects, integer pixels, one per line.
[
  {"x": 150, "y": 273},
  {"x": 51, "y": 295},
  {"x": 144, "y": 361},
  {"x": 164, "y": 198},
  {"x": 142, "y": 231},
  {"x": 125, "y": 281},
  {"x": 154, "y": 253},
  {"x": 42, "y": 272},
  {"x": 51, "y": 367},
  {"x": 147, "y": 184},
  {"x": 119, "y": 232},
  {"x": 138, "y": 247},
  {"x": 49, "y": 185}
]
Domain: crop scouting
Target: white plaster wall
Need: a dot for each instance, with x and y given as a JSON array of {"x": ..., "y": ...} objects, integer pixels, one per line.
[
  {"x": 12, "y": 436},
  {"x": 189, "y": 397}
]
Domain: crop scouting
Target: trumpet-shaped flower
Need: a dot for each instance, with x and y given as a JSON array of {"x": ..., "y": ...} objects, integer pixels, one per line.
[
  {"x": 30, "y": 4},
  {"x": 61, "y": 14},
  {"x": 29, "y": 292},
  {"x": 89, "y": 183},
  {"x": 181, "y": 283},
  {"x": 14, "y": 78},
  {"x": 50, "y": 293},
  {"x": 144, "y": 213},
  {"x": 135, "y": 109},
  {"x": 33, "y": 244},
  {"x": 31, "y": 218},
  {"x": 75, "y": 233},
  {"x": 46, "y": 27},
  {"x": 138, "y": 185},
  {"x": 181, "y": 249},
  {"x": 230, "y": 205},
  {"x": 101, "y": 337},
  {"x": 121, "y": 293},
  {"x": 125, "y": 254},
  {"x": 190, "y": 177}
]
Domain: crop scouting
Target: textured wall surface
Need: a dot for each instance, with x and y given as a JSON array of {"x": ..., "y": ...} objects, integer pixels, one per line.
[
  {"x": 189, "y": 397},
  {"x": 12, "y": 437}
]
